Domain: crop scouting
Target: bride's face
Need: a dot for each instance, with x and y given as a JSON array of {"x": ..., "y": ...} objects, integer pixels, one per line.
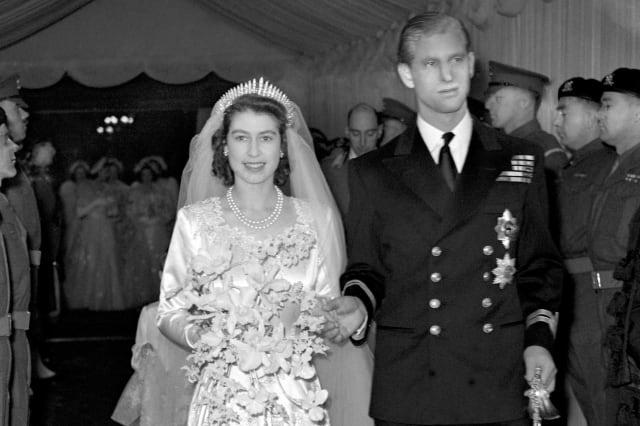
[{"x": 253, "y": 142}]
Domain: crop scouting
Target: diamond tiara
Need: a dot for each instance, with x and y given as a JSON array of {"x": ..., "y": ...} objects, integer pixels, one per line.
[{"x": 259, "y": 87}]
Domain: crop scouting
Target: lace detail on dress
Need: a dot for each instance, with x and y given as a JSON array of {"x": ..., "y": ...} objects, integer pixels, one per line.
[{"x": 288, "y": 247}]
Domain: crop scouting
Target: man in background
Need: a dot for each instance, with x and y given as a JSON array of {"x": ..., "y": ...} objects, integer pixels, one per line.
[
  {"x": 513, "y": 98},
  {"x": 363, "y": 132},
  {"x": 576, "y": 124},
  {"x": 613, "y": 225},
  {"x": 22, "y": 200}
]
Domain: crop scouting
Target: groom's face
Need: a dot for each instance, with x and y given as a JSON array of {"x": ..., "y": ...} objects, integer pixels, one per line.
[{"x": 440, "y": 72}]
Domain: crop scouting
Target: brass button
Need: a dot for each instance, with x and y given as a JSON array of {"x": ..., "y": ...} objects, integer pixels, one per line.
[
  {"x": 434, "y": 303},
  {"x": 436, "y": 251},
  {"x": 486, "y": 276},
  {"x": 487, "y": 302},
  {"x": 435, "y": 330},
  {"x": 436, "y": 277},
  {"x": 487, "y": 328},
  {"x": 487, "y": 250}
]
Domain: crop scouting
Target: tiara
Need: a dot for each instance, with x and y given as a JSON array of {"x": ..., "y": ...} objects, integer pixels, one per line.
[{"x": 256, "y": 87}]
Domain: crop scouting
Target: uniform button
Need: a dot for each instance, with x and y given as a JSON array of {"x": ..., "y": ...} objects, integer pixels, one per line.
[
  {"x": 436, "y": 277},
  {"x": 436, "y": 251},
  {"x": 487, "y": 302},
  {"x": 487, "y": 328},
  {"x": 434, "y": 303},
  {"x": 486, "y": 276},
  {"x": 487, "y": 250},
  {"x": 435, "y": 330}
]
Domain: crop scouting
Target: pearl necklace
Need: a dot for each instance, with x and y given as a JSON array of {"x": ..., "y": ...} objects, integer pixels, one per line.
[{"x": 261, "y": 223}]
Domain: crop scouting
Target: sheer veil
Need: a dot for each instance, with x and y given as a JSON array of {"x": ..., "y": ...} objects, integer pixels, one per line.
[{"x": 306, "y": 179}]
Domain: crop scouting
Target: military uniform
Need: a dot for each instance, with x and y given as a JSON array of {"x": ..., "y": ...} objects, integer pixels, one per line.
[
  {"x": 15, "y": 240},
  {"x": 502, "y": 75},
  {"x": 587, "y": 318},
  {"x": 6, "y": 358},
  {"x": 435, "y": 269},
  {"x": 554, "y": 156}
]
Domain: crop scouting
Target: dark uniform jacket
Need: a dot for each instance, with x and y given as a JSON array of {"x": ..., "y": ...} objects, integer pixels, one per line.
[
  {"x": 23, "y": 200},
  {"x": 554, "y": 156},
  {"x": 617, "y": 198},
  {"x": 6, "y": 356},
  {"x": 575, "y": 195},
  {"x": 15, "y": 241},
  {"x": 450, "y": 341}
]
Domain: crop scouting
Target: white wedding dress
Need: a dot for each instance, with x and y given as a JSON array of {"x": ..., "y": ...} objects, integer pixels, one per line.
[{"x": 345, "y": 373}]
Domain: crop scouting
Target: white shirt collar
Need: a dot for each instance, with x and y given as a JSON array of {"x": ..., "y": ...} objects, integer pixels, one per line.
[{"x": 459, "y": 145}]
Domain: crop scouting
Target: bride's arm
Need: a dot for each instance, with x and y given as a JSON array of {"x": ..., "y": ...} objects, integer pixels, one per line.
[{"x": 172, "y": 310}]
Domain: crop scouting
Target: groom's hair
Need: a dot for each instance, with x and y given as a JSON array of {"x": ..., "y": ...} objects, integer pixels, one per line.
[
  {"x": 427, "y": 24},
  {"x": 258, "y": 104}
]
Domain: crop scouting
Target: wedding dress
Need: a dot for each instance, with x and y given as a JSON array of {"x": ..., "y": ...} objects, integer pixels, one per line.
[{"x": 202, "y": 227}]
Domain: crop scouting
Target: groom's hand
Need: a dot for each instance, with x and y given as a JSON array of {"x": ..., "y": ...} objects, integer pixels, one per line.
[
  {"x": 537, "y": 356},
  {"x": 348, "y": 314}
]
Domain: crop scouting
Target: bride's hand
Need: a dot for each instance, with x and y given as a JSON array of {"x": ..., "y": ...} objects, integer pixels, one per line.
[{"x": 348, "y": 313}]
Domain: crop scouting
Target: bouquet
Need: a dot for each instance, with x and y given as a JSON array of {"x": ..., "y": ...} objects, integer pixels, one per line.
[{"x": 270, "y": 329}]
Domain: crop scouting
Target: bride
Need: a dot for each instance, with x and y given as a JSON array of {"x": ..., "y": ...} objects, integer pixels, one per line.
[{"x": 239, "y": 235}]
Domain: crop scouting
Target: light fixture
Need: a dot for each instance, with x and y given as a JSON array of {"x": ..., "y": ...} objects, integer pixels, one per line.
[{"x": 113, "y": 124}]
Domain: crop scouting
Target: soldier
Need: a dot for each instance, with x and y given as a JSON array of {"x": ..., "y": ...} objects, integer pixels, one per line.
[
  {"x": 20, "y": 213},
  {"x": 513, "y": 99},
  {"x": 577, "y": 126},
  {"x": 15, "y": 282},
  {"x": 616, "y": 199},
  {"x": 6, "y": 329}
]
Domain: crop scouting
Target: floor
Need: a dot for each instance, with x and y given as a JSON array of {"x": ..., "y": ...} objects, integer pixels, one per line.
[{"x": 91, "y": 353}]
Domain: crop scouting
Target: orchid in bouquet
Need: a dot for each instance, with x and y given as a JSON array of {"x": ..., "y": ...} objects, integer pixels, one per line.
[{"x": 266, "y": 326}]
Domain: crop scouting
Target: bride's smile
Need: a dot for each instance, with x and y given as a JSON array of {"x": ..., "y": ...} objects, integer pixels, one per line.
[{"x": 253, "y": 145}]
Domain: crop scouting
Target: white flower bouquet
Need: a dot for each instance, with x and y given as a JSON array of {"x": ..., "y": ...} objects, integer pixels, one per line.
[{"x": 269, "y": 328}]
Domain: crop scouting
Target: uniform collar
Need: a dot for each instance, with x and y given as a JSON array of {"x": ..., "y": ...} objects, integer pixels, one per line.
[
  {"x": 526, "y": 129},
  {"x": 630, "y": 158},
  {"x": 583, "y": 152}
]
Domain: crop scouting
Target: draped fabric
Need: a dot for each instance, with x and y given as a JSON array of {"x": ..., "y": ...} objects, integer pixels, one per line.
[
  {"x": 109, "y": 42},
  {"x": 327, "y": 55},
  {"x": 22, "y": 18}
]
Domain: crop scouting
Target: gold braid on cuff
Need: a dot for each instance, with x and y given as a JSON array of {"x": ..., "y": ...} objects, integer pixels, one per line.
[{"x": 543, "y": 315}]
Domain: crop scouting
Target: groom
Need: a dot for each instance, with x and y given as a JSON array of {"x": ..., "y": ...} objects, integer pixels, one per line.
[{"x": 449, "y": 252}]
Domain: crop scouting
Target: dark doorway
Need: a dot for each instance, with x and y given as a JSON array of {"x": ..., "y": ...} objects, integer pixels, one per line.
[{"x": 165, "y": 118}]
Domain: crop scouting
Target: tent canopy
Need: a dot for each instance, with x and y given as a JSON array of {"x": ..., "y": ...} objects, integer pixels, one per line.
[{"x": 326, "y": 54}]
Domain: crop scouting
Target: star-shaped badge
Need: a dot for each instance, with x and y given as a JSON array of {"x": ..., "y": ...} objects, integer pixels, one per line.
[
  {"x": 504, "y": 271},
  {"x": 507, "y": 228}
]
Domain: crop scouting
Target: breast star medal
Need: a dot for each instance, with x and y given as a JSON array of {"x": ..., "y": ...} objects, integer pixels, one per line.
[
  {"x": 504, "y": 271},
  {"x": 507, "y": 228}
]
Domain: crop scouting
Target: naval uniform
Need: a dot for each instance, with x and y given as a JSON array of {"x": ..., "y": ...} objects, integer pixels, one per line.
[{"x": 434, "y": 269}]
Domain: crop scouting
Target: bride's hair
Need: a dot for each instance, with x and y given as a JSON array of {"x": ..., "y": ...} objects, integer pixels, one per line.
[{"x": 258, "y": 104}]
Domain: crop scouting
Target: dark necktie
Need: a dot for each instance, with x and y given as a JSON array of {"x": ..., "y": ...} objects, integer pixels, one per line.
[{"x": 446, "y": 163}]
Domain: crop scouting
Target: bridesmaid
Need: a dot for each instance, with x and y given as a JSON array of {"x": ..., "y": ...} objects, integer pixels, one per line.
[{"x": 93, "y": 276}]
